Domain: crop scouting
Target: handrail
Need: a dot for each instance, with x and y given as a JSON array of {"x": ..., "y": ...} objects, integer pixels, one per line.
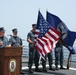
[{"x": 66, "y": 53}]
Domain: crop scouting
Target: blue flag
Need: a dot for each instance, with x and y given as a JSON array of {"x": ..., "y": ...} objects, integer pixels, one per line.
[{"x": 68, "y": 36}]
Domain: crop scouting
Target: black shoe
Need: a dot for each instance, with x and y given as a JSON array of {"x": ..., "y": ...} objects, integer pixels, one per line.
[
  {"x": 62, "y": 68},
  {"x": 22, "y": 72},
  {"x": 37, "y": 70},
  {"x": 30, "y": 71},
  {"x": 56, "y": 68},
  {"x": 44, "y": 70},
  {"x": 51, "y": 68}
]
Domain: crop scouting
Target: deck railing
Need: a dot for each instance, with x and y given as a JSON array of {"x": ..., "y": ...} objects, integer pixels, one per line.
[{"x": 65, "y": 50}]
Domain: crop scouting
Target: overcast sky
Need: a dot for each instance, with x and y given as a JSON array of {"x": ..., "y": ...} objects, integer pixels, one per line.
[{"x": 21, "y": 14}]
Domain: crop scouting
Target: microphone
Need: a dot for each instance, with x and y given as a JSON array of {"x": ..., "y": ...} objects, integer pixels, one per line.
[{"x": 9, "y": 35}]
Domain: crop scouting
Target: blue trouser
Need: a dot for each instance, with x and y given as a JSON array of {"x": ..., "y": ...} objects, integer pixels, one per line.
[
  {"x": 31, "y": 56},
  {"x": 59, "y": 55},
  {"x": 36, "y": 58},
  {"x": 50, "y": 58}
]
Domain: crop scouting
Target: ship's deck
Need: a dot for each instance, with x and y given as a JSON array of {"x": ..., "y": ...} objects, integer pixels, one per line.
[{"x": 71, "y": 71}]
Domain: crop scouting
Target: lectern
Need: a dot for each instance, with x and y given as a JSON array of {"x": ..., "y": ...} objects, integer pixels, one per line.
[{"x": 10, "y": 60}]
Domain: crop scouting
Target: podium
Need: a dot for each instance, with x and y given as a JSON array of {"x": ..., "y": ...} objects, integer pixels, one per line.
[{"x": 10, "y": 60}]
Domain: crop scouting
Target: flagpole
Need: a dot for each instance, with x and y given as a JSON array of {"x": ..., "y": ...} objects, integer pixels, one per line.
[
  {"x": 46, "y": 10},
  {"x": 68, "y": 61},
  {"x": 39, "y": 9}
]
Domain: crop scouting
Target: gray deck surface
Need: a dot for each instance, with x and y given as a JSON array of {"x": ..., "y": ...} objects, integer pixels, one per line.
[{"x": 71, "y": 71}]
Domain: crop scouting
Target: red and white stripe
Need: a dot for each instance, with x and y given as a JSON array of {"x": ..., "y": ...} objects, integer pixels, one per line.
[{"x": 45, "y": 44}]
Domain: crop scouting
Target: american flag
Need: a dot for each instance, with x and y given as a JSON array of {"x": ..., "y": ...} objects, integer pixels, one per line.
[{"x": 46, "y": 36}]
